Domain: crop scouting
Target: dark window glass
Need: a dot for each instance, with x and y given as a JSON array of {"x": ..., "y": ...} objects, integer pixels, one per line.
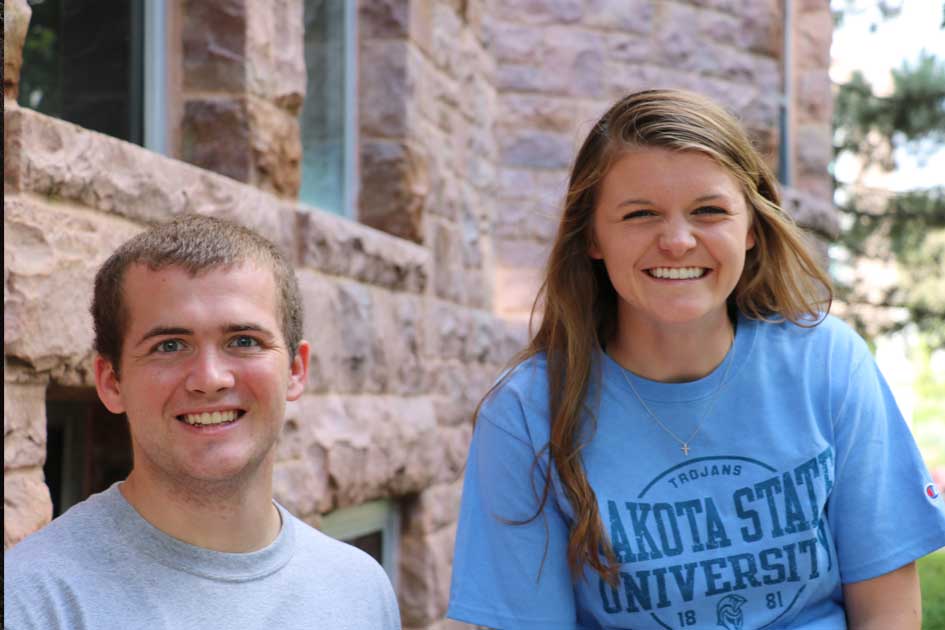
[
  {"x": 88, "y": 449},
  {"x": 371, "y": 544},
  {"x": 83, "y": 62}
]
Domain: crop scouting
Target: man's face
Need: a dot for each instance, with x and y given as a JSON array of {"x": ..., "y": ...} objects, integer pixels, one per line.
[{"x": 205, "y": 374}]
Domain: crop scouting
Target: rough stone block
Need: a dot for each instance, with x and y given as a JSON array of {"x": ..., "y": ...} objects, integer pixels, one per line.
[
  {"x": 385, "y": 19},
  {"x": 275, "y": 147},
  {"x": 535, "y": 148},
  {"x": 384, "y": 90},
  {"x": 814, "y": 33},
  {"x": 676, "y": 41},
  {"x": 814, "y": 148},
  {"x": 540, "y": 11},
  {"x": 635, "y": 16},
  {"x": 275, "y": 52},
  {"x": 397, "y": 329},
  {"x": 518, "y": 43},
  {"x": 215, "y": 135},
  {"x": 519, "y": 286},
  {"x": 425, "y": 566},
  {"x": 214, "y": 34},
  {"x": 24, "y": 425},
  {"x": 362, "y": 364},
  {"x": 762, "y": 27},
  {"x": 394, "y": 187},
  {"x": 247, "y": 139},
  {"x": 340, "y": 247},
  {"x": 375, "y": 445},
  {"x": 814, "y": 96},
  {"x": 446, "y": 37},
  {"x": 322, "y": 328},
  {"x": 16, "y": 21},
  {"x": 812, "y": 212},
  {"x": 300, "y": 476},
  {"x": 51, "y": 254},
  {"x": 448, "y": 273},
  {"x": 26, "y": 504}
]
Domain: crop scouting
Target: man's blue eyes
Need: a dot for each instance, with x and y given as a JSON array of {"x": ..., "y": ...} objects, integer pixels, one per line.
[
  {"x": 244, "y": 342},
  {"x": 176, "y": 345},
  {"x": 169, "y": 345}
]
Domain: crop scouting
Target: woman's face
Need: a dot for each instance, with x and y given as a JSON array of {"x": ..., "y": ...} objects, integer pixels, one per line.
[{"x": 672, "y": 228}]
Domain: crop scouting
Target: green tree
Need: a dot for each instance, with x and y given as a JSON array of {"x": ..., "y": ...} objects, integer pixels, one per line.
[{"x": 904, "y": 229}]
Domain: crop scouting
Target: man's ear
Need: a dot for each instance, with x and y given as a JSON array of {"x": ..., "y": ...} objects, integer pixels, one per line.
[
  {"x": 107, "y": 385},
  {"x": 298, "y": 372}
]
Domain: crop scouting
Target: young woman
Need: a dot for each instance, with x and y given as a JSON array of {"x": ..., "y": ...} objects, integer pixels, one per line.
[{"x": 688, "y": 441}]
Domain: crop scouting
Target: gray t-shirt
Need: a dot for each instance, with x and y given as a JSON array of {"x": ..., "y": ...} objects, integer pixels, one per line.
[{"x": 101, "y": 565}]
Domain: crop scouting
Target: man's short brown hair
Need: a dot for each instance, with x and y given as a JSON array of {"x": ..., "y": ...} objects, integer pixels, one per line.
[{"x": 196, "y": 244}]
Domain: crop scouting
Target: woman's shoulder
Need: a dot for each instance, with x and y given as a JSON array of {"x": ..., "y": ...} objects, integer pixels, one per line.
[
  {"x": 825, "y": 333},
  {"x": 521, "y": 390}
]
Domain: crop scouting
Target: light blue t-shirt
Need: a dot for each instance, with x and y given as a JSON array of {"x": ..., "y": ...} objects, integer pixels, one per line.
[{"x": 804, "y": 476}]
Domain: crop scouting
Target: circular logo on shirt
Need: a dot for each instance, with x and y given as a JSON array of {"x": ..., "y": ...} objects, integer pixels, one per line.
[{"x": 931, "y": 491}]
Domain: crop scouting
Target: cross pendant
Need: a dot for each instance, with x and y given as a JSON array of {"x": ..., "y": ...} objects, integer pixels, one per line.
[{"x": 685, "y": 449}]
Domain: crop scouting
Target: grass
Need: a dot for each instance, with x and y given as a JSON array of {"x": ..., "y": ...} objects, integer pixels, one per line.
[{"x": 932, "y": 574}]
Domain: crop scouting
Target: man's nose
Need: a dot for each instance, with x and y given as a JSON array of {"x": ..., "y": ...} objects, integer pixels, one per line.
[
  {"x": 677, "y": 237},
  {"x": 210, "y": 372}
]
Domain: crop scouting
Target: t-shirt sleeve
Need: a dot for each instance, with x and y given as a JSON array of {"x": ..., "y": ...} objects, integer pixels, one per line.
[
  {"x": 884, "y": 509},
  {"x": 509, "y": 576}
]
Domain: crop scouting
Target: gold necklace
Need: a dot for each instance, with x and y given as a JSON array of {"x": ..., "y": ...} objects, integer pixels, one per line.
[{"x": 684, "y": 444}]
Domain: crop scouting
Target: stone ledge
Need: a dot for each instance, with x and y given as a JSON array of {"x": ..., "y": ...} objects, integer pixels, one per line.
[
  {"x": 341, "y": 247},
  {"x": 51, "y": 253},
  {"x": 58, "y": 159}
]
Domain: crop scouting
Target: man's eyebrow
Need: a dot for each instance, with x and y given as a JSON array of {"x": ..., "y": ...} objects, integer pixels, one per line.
[{"x": 246, "y": 327}]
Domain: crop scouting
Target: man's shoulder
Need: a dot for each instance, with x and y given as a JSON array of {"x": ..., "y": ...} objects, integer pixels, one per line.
[
  {"x": 62, "y": 541},
  {"x": 348, "y": 559}
]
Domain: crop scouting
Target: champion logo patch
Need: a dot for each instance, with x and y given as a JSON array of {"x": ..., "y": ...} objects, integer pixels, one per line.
[{"x": 931, "y": 491}]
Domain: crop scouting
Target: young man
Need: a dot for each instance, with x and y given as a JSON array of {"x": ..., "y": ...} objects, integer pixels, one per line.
[{"x": 198, "y": 334}]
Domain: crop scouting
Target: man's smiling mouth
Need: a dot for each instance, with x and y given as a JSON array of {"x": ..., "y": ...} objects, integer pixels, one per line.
[
  {"x": 677, "y": 273},
  {"x": 211, "y": 417}
]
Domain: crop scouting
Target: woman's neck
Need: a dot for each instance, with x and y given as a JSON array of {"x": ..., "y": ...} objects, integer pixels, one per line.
[{"x": 672, "y": 353}]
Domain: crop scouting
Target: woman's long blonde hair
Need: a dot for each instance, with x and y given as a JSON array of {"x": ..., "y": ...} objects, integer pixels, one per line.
[{"x": 578, "y": 304}]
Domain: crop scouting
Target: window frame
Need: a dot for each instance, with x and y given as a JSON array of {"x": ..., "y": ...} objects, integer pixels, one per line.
[{"x": 381, "y": 515}]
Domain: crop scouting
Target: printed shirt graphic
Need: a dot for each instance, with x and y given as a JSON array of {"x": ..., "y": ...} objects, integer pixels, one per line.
[{"x": 804, "y": 476}]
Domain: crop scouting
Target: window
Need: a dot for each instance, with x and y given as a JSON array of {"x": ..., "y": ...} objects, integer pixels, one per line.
[
  {"x": 328, "y": 114},
  {"x": 373, "y": 527},
  {"x": 100, "y": 65},
  {"x": 87, "y": 449}
]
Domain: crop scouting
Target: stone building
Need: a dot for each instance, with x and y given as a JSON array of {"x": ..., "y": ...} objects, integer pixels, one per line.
[{"x": 410, "y": 157}]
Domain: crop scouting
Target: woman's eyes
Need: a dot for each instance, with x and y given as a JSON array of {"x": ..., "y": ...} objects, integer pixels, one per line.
[
  {"x": 639, "y": 214},
  {"x": 703, "y": 210},
  {"x": 711, "y": 210}
]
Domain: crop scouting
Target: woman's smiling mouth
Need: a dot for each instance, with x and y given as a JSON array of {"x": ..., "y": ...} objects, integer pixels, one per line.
[{"x": 677, "y": 273}]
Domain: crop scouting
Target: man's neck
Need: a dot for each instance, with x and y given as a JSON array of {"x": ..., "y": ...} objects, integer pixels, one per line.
[{"x": 228, "y": 517}]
